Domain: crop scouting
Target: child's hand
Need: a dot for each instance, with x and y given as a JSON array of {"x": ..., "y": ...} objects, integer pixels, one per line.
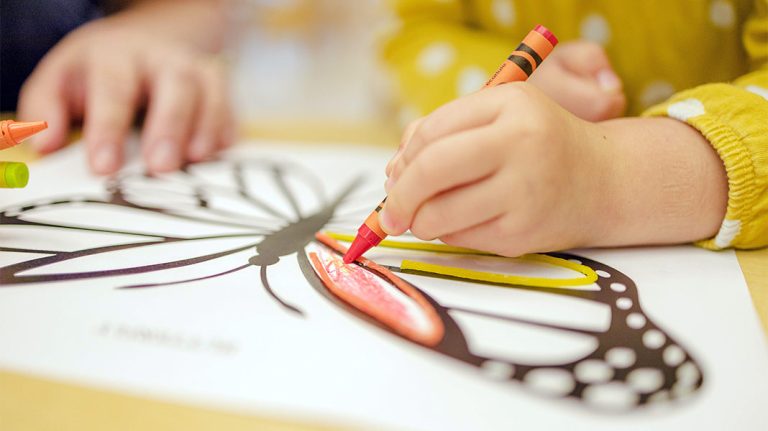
[
  {"x": 106, "y": 71},
  {"x": 578, "y": 76},
  {"x": 509, "y": 171}
]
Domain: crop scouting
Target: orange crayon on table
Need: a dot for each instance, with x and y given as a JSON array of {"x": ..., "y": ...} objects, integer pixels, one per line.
[
  {"x": 536, "y": 46},
  {"x": 12, "y": 133}
]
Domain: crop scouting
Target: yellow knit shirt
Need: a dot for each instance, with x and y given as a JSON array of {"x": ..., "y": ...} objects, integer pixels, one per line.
[{"x": 704, "y": 62}]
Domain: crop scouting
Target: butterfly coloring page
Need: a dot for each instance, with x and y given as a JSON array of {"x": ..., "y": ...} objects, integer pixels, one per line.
[{"x": 211, "y": 285}]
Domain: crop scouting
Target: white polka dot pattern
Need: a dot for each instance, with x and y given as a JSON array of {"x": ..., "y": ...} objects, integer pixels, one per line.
[
  {"x": 728, "y": 231},
  {"x": 470, "y": 79},
  {"x": 504, "y": 12},
  {"x": 436, "y": 58},
  {"x": 595, "y": 28},
  {"x": 721, "y": 14},
  {"x": 685, "y": 109},
  {"x": 760, "y": 91}
]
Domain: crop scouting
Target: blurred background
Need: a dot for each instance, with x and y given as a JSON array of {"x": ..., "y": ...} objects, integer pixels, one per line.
[{"x": 311, "y": 67}]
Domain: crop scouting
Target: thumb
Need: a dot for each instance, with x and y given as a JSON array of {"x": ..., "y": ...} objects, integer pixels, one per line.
[
  {"x": 589, "y": 60},
  {"x": 586, "y": 100}
]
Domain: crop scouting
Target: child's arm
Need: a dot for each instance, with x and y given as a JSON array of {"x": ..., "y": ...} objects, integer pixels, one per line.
[
  {"x": 155, "y": 53},
  {"x": 509, "y": 171},
  {"x": 731, "y": 118}
]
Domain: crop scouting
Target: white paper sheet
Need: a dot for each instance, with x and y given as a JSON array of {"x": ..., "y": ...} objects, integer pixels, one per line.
[{"x": 680, "y": 326}]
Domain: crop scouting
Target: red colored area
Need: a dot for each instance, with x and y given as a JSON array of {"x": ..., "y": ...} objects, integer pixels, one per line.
[
  {"x": 364, "y": 241},
  {"x": 409, "y": 315}
]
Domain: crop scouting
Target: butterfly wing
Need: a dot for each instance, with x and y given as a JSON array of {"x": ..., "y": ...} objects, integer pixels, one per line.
[{"x": 619, "y": 360}]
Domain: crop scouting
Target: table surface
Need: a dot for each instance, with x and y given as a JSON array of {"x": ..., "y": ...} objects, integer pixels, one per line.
[{"x": 24, "y": 398}]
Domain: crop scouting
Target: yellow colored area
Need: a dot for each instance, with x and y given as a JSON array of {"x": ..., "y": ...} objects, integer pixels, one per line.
[
  {"x": 32, "y": 403},
  {"x": 589, "y": 275},
  {"x": 517, "y": 280},
  {"x": 413, "y": 245}
]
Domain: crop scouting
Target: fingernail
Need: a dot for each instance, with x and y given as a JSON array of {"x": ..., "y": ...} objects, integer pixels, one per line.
[
  {"x": 165, "y": 157},
  {"x": 105, "y": 160},
  {"x": 386, "y": 222},
  {"x": 608, "y": 80}
]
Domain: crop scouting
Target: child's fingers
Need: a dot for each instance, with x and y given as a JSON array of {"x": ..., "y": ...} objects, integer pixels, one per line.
[
  {"x": 586, "y": 99},
  {"x": 491, "y": 236},
  {"x": 449, "y": 163},
  {"x": 407, "y": 134},
  {"x": 229, "y": 131},
  {"x": 584, "y": 58},
  {"x": 589, "y": 60},
  {"x": 469, "y": 112},
  {"x": 212, "y": 117},
  {"x": 112, "y": 92},
  {"x": 43, "y": 98},
  {"x": 460, "y": 209},
  {"x": 169, "y": 120}
]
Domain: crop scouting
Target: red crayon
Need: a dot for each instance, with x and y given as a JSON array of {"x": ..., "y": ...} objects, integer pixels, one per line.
[{"x": 536, "y": 46}]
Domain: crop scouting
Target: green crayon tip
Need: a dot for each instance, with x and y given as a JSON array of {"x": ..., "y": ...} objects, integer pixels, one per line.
[{"x": 13, "y": 175}]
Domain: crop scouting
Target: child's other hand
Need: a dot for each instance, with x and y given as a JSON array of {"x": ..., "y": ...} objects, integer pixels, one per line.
[
  {"x": 505, "y": 170},
  {"x": 107, "y": 71},
  {"x": 578, "y": 75}
]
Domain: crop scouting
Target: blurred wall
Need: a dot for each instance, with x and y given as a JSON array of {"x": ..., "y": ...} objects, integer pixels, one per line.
[{"x": 310, "y": 60}]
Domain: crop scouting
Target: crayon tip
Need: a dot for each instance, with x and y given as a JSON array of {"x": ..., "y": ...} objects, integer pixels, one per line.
[
  {"x": 359, "y": 246},
  {"x": 546, "y": 33},
  {"x": 20, "y": 131},
  {"x": 12, "y": 132},
  {"x": 14, "y": 175}
]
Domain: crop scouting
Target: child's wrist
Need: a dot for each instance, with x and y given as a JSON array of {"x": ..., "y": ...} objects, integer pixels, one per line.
[
  {"x": 603, "y": 195},
  {"x": 664, "y": 183}
]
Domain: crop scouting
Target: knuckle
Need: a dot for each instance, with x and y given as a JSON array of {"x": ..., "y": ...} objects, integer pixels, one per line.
[
  {"x": 532, "y": 128},
  {"x": 420, "y": 135},
  {"x": 512, "y": 92},
  {"x": 427, "y": 222},
  {"x": 421, "y": 231},
  {"x": 423, "y": 173},
  {"x": 183, "y": 69}
]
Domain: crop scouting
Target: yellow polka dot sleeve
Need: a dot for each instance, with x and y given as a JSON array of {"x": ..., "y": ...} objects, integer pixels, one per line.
[
  {"x": 734, "y": 118},
  {"x": 435, "y": 56}
]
